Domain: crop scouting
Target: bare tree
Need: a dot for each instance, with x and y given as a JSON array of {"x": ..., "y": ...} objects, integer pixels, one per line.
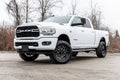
[
  {"x": 116, "y": 33},
  {"x": 45, "y": 6},
  {"x": 19, "y": 11},
  {"x": 95, "y": 15},
  {"x": 27, "y": 11},
  {"x": 73, "y": 7},
  {"x": 14, "y": 11}
]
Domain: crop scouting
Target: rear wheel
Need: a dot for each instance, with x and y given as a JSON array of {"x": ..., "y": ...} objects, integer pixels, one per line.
[
  {"x": 28, "y": 56},
  {"x": 62, "y": 53},
  {"x": 101, "y": 51}
]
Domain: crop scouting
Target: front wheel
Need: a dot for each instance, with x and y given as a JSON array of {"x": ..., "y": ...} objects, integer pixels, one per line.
[
  {"x": 101, "y": 51},
  {"x": 28, "y": 56},
  {"x": 62, "y": 53}
]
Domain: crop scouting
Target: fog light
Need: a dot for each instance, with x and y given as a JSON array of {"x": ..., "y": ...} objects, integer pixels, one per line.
[
  {"x": 46, "y": 43},
  {"x": 35, "y": 44}
]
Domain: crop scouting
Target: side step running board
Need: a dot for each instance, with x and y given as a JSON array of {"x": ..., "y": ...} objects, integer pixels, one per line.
[{"x": 82, "y": 50}]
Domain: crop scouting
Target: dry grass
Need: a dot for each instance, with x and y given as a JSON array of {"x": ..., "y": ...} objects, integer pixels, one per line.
[
  {"x": 6, "y": 38},
  {"x": 114, "y": 45}
]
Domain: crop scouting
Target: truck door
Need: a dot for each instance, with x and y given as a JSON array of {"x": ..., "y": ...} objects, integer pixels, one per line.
[
  {"x": 89, "y": 33},
  {"x": 83, "y": 37}
]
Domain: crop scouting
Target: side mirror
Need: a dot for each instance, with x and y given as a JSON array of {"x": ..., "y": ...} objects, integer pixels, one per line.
[
  {"x": 76, "y": 24},
  {"x": 83, "y": 20}
]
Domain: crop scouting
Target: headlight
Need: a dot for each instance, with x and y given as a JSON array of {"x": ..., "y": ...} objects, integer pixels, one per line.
[{"x": 47, "y": 31}]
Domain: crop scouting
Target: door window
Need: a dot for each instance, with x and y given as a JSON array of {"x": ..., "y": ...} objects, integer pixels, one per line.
[
  {"x": 77, "y": 21},
  {"x": 87, "y": 25}
]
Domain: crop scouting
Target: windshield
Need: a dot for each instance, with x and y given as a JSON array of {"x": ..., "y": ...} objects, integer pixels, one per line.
[{"x": 60, "y": 19}]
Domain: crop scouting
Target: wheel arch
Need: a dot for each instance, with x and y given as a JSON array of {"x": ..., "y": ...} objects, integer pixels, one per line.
[
  {"x": 64, "y": 37},
  {"x": 103, "y": 40}
]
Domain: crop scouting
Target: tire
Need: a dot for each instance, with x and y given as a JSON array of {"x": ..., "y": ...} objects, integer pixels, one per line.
[
  {"x": 101, "y": 51},
  {"x": 28, "y": 57},
  {"x": 62, "y": 53},
  {"x": 74, "y": 54}
]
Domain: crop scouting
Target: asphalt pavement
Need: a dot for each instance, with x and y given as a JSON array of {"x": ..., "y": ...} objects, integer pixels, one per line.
[{"x": 83, "y": 67}]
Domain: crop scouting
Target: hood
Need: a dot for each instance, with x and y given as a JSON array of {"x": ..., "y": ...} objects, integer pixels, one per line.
[{"x": 42, "y": 24}]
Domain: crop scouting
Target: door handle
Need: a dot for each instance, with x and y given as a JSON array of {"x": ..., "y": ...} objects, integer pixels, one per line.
[
  {"x": 70, "y": 31},
  {"x": 82, "y": 30}
]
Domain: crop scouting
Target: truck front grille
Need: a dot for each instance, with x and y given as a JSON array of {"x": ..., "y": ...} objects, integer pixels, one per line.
[{"x": 27, "y": 31}]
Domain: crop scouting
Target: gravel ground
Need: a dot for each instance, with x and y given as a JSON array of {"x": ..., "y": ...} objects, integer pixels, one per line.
[{"x": 83, "y": 67}]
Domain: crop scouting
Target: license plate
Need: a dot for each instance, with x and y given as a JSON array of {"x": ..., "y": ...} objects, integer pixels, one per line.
[{"x": 25, "y": 48}]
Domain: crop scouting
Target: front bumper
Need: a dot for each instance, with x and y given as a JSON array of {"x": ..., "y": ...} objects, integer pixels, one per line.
[{"x": 40, "y": 45}]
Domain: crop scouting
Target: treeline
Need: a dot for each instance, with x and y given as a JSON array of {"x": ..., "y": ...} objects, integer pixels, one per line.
[{"x": 24, "y": 11}]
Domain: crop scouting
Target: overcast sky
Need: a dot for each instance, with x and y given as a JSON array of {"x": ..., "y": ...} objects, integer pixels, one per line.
[{"x": 110, "y": 10}]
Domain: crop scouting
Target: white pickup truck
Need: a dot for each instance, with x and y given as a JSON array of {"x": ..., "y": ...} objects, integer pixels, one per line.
[{"x": 60, "y": 38}]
